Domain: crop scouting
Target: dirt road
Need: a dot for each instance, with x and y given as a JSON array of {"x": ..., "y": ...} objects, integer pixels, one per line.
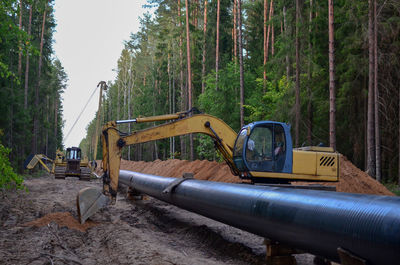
[{"x": 40, "y": 227}]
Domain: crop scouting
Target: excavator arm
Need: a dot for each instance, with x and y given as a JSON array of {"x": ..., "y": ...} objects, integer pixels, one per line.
[
  {"x": 180, "y": 124},
  {"x": 33, "y": 160}
]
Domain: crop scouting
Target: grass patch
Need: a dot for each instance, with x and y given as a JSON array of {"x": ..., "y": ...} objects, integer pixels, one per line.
[{"x": 393, "y": 188}]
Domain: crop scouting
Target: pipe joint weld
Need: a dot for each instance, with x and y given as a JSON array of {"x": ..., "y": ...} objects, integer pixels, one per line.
[{"x": 177, "y": 182}]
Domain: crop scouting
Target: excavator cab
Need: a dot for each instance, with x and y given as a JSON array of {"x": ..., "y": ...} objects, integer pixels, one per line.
[{"x": 264, "y": 146}]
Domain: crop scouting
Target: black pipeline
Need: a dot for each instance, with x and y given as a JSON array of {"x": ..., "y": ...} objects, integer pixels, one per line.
[{"x": 317, "y": 222}]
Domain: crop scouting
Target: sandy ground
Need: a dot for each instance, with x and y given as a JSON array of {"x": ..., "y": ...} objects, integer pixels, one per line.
[{"x": 40, "y": 227}]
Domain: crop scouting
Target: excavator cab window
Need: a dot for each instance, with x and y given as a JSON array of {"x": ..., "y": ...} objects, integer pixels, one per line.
[
  {"x": 261, "y": 147},
  {"x": 279, "y": 148},
  {"x": 238, "y": 150}
]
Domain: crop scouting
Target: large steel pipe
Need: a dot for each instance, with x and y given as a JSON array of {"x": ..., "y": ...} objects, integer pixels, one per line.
[{"x": 317, "y": 222}]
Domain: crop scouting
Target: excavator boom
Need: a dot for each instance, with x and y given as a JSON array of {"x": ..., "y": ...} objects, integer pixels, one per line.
[{"x": 181, "y": 124}]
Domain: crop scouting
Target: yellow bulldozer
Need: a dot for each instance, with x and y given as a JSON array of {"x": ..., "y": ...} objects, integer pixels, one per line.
[{"x": 70, "y": 164}]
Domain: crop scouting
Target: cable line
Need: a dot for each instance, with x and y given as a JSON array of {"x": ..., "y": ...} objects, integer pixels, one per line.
[{"x": 80, "y": 114}]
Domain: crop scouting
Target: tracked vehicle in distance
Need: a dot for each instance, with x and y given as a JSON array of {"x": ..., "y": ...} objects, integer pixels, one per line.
[{"x": 72, "y": 165}]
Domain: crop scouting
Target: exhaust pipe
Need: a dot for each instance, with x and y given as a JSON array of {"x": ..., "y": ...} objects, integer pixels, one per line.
[{"x": 318, "y": 222}]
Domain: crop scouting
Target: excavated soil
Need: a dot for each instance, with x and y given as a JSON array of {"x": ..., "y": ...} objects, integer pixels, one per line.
[
  {"x": 40, "y": 226},
  {"x": 62, "y": 219}
]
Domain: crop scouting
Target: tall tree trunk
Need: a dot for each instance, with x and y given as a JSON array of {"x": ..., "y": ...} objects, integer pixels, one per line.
[
  {"x": 203, "y": 62},
  {"x": 195, "y": 13},
  {"x": 131, "y": 84},
  {"x": 269, "y": 25},
  {"x": 20, "y": 45},
  {"x": 287, "y": 53},
  {"x": 183, "y": 94},
  {"x": 376, "y": 99},
  {"x": 297, "y": 89},
  {"x": 22, "y": 149},
  {"x": 265, "y": 45},
  {"x": 36, "y": 112},
  {"x": 309, "y": 91},
  {"x": 189, "y": 74},
  {"x": 55, "y": 119},
  {"x": 234, "y": 31},
  {"x": 118, "y": 97},
  {"x": 370, "y": 122},
  {"x": 217, "y": 47},
  {"x": 332, "y": 89},
  {"x": 27, "y": 61},
  {"x": 170, "y": 100},
  {"x": 241, "y": 71},
  {"x": 173, "y": 108},
  {"x": 47, "y": 120},
  {"x": 272, "y": 34}
]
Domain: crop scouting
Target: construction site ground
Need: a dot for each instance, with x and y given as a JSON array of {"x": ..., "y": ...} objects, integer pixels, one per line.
[{"x": 40, "y": 226}]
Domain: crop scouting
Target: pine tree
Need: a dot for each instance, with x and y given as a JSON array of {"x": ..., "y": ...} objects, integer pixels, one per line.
[{"x": 332, "y": 89}]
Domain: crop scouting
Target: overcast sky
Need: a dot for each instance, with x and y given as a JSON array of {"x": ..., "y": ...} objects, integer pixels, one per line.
[{"x": 88, "y": 41}]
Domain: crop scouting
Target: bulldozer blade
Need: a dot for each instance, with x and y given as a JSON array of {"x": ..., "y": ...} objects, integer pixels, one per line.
[{"x": 89, "y": 201}]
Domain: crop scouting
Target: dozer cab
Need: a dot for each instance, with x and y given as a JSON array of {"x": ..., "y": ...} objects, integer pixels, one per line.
[{"x": 72, "y": 165}]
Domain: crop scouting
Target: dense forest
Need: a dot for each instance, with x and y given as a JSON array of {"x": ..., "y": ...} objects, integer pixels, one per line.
[
  {"x": 329, "y": 68},
  {"x": 32, "y": 80}
]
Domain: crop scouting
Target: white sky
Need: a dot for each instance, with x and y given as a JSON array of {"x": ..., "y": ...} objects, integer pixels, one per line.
[{"x": 88, "y": 41}]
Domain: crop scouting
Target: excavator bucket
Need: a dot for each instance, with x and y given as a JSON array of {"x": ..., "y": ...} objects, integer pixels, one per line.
[{"x": 89, "y": 201}]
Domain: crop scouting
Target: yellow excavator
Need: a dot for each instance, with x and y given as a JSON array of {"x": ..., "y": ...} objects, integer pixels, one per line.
[
  {"x": 70, "y": 164},
  {"x": 261, "y": 152},
  {"x": 33, "y": 160}
]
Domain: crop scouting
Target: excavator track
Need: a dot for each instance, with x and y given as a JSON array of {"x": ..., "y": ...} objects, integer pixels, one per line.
[
  {"x": 59, "y": 172},
  {"x": 85, "y": 173}
]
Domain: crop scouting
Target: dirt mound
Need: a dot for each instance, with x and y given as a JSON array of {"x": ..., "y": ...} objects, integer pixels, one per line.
[
  {"x": 352, "y": 179},
  {"x": 63, "y": 219},
  {"x": 202, "y": 169}
]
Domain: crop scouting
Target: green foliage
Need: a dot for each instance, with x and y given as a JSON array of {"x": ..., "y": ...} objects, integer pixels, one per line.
[
  {"x": 272, "y": 105},
  {"x": 8, "y": 178},
  {"x": 205, "y": 148},
  {"x": 16, "y": 117},
  {"x": 223, "y": 102},
  {"x": 393, "y": 187}
]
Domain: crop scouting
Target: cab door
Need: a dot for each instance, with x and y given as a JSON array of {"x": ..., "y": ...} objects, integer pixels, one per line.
[
  {"x": 266, "y": 148},
  {"x": 259, "y": 149},
  {"x": 263, "y": 147}
]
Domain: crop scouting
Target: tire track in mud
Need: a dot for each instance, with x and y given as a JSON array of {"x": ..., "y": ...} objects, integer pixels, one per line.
[{"x": 185, "y": 231}]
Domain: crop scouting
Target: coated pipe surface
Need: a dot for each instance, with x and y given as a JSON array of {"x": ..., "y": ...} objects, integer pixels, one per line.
[{"x": 317, "y": 222}]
